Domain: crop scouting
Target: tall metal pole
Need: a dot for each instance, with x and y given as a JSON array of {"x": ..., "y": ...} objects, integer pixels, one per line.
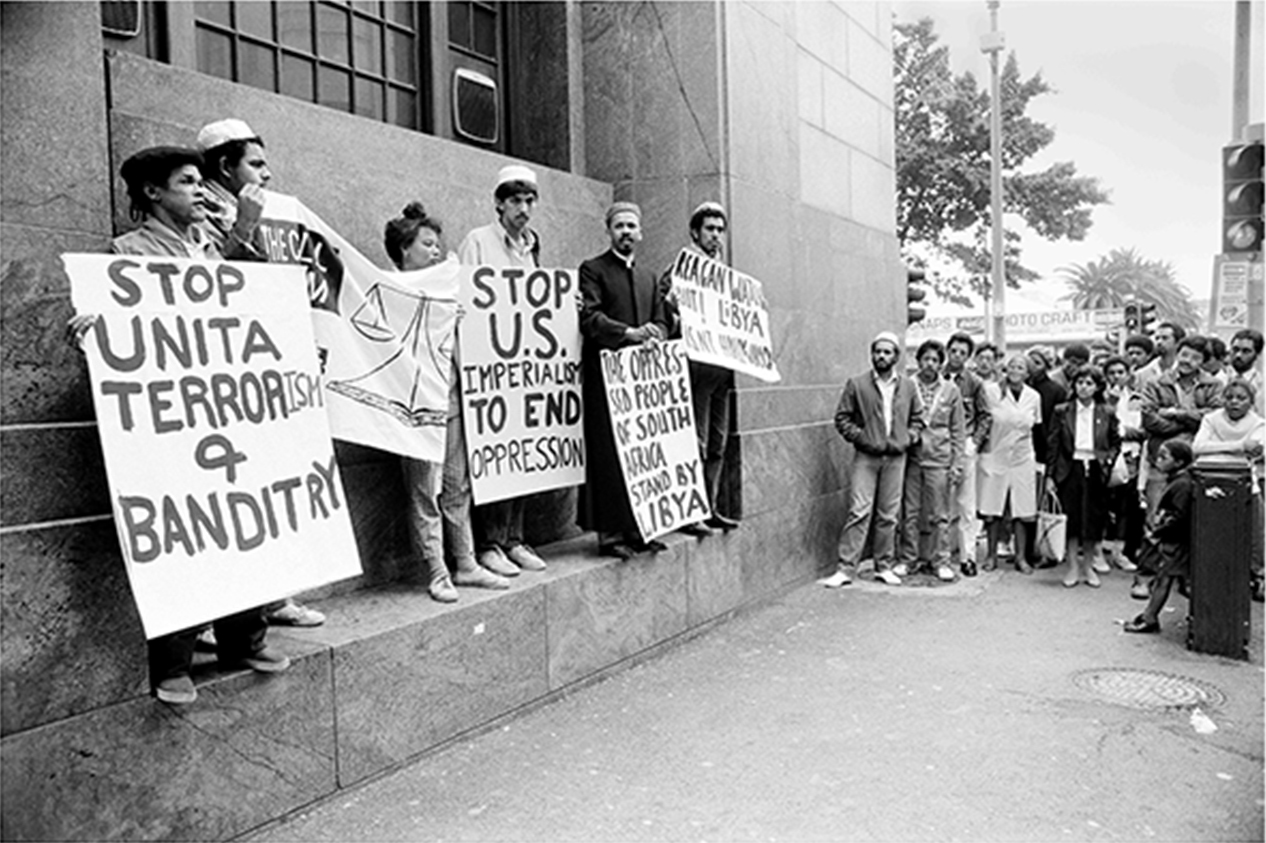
[
  {"x": 993, "y": 44},
  {"x": 1239, "y": 80}
]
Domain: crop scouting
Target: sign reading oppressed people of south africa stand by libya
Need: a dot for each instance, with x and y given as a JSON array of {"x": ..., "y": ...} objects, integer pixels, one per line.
[
  {"x": 724, "y": 316},
  {"x": 652, "y": 417},
  {"x": 212, "y": 417},
  {"x": 520, "y": 381}
]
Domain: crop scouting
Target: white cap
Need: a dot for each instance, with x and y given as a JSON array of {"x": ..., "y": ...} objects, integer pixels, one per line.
[
  {"x": 515, "y": 172},
  {"x": 223, "y": 131}
]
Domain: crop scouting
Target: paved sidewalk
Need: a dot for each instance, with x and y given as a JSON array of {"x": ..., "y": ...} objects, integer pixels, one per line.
[{"x": 867, "y": 713}]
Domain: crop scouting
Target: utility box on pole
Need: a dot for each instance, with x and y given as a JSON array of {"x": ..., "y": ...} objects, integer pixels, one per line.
[{"x": 1221, "y": 546}]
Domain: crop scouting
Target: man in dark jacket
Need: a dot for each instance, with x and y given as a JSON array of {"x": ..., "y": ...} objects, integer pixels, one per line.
[
  {"x": 621, "y": 305},
  {"x": 880, "y": 415}
]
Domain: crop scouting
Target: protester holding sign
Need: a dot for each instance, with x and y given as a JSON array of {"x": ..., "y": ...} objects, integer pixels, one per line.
[
  {"x": 508, "y": 242},
  {"x": 439, "y": 494},
  {"x": 710, "y": 385},
  {"x": 621, "y": 305},
  {"x": 165, "y": 188},
  {"x": 234, "y": 175}
]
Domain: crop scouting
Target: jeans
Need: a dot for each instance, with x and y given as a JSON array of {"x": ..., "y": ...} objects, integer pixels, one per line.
[
  {"x": 925, "y": 522},
  {"x": 236, "y": 636},
  {"x": 875, "y": 486},
  {"x": 439, "y": 503},
  {"x": 710, "y": 390}
]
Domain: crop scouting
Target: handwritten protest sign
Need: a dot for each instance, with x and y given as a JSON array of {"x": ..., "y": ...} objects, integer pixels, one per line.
[
  {"x": 520, "y": 370},
  {"x": 386, "y": 338},
  {"x": 212, "y": 418},
  {"x": 724, "y": 316},
  {"x": 648, "y": 393}
]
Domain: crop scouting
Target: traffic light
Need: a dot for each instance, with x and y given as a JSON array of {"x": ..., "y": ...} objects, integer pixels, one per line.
[
  {"x": 1242, "y": 198},
  {"x": 1147, "y": 317},
  {"x": 1132, "y": 318},
  {"x": 915, "y": 312}
]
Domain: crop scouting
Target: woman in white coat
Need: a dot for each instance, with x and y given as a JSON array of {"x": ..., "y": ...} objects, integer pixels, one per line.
[{"x": 1008, "y": 469}]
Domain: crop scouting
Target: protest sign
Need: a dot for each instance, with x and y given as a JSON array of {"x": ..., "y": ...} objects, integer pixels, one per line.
[
  {"x": 386, "y": 338},
  {"x": 212, "y": 419},
  {"x": 652, "y": 417},
  {"x": 520, "y": 371},
  {"x": 724, "y": 316}
]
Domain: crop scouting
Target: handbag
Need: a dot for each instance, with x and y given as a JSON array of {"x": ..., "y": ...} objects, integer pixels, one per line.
[
  {"x": 1052, "y": 529},
  {"x": 1120, "y": 473}
]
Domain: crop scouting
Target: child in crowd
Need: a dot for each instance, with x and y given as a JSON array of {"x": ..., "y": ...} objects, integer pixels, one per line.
[{"x": 1171, "y": 532}]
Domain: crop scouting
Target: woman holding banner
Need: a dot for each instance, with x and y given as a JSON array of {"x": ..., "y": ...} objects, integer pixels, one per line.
[{"x": 439, "y": 495}]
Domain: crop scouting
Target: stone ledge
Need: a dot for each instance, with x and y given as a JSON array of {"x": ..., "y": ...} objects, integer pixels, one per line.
[{"x": 391, "y": 675}]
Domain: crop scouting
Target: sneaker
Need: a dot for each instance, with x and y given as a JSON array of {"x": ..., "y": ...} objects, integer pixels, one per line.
[
  {"x": 944, "y": 573},
  {"x": 526, "y": 558},
  {"x": 1100, "y": 565},
  {"x": 178, "y": 690},
  {"x": 264, "y": 660},
  {"x": 841, "y": 577},
  {"x": 1092, "y": 578},
  {"x": 477, "y": 577},
  {"x": 1123, "y": 562},
  {"x": 494, "y": 560},
  {"x": 1141, "y": 590},
  {"x": 901, "y": 569},
  {"x": 441, "y": 590},
  {"x": 722, "y": 522},
  {"x": 295, "y": 614},
  {"x": 888, "y": 577}
]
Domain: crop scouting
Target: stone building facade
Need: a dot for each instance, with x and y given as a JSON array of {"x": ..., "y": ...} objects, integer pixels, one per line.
[{"x": 781, "y": 111}]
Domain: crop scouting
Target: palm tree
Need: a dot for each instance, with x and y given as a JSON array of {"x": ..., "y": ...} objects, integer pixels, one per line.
[{"x": 1123, "y": 275}]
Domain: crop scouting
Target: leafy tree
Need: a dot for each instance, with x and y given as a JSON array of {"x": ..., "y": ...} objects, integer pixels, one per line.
[
  {"x": 943, "y": 161},
  {"x": 1123, "y": 274}
]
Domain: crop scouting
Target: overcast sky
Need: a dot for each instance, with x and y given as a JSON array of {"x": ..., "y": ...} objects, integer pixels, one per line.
[{"x": 1142, "y": 101}]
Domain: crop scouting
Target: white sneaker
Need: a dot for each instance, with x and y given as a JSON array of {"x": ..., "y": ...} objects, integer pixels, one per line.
[
  {"x": 526, "y": 558},
  {"x": 945, "y": 573},
  {"x": 841, "y": 577},
  {"x": 888, "y": 577},
  {"x": 901, "y": 569},
  {"x": 1123, "y": 562},
  {"x": 1100, "y": 565}
]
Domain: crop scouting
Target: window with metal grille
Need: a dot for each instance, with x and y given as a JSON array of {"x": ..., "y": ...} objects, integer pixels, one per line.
[
  {"x": 475, "y": 44},
  {"x": 359, "y": 57}
]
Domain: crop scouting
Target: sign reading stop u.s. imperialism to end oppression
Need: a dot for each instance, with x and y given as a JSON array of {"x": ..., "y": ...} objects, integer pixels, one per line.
[
  {"x": 652, "y": 417},
  {"x": 212, "y": 418},
  {"x": 724, "y": 316},
  {"x": 520, "y": 381}
]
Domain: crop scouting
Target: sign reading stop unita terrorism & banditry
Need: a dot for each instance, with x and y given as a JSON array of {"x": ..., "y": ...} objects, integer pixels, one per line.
[{"x": 211, "y": 411}]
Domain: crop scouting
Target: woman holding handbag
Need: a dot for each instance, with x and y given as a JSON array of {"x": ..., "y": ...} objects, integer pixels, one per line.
[{"x": 1082, "y": 444}]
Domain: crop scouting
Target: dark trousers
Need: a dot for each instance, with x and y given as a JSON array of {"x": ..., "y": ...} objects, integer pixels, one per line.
[
  {"x": 236, "y": 637},
  {"x": 1127, "y": 517},
  {"x": 710, "y": 387},
  {"x": 499, "y": 524}
]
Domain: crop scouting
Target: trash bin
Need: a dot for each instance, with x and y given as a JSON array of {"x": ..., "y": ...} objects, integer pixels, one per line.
[{"x": 1221, "y": 545}]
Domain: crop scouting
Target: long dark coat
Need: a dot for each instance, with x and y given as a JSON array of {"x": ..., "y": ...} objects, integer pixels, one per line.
[{"x": 613, "y": 299}]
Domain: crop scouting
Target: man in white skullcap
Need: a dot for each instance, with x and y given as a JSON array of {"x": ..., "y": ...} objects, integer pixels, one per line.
[
  {"x": 881, "y": 416},
  {"x": 710, "y": 386},
  {"x": 507, "y": 242},
  {"x": 621, "y": 305},
  {"x": 235, "y": 173}
]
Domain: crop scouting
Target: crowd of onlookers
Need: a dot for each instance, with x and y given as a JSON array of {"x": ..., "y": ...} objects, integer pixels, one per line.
[{"x": 974, "y": 440}]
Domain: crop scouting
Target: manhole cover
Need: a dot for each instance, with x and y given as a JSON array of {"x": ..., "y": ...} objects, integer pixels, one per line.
[{"x": 1147, "y": 688}]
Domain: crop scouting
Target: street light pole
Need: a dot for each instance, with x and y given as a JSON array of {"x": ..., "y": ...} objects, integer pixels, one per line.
[{"x": 992, "y": 44}]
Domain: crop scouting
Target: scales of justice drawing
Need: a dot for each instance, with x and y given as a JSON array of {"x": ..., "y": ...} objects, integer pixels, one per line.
[{"x": 414, "y": 334}]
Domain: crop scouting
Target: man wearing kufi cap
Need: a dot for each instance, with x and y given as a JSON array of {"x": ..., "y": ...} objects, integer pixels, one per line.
[
  {"x": 881, "y": 416},
  {"x": 710, "y": 386},
  {"x": 621, "y": 305},
  {"x": 236, "y": 172},
  {"x": 507, "y": 242}
]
